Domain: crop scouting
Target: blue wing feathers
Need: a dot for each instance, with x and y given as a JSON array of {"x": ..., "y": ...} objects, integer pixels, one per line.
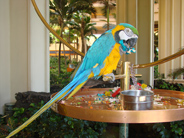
[{"x": 98, "y": 52}]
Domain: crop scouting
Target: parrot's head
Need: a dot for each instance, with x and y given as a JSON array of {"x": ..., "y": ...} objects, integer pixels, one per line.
[{"x": 126, "y": 35}]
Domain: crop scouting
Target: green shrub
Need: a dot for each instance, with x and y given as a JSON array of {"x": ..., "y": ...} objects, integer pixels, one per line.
[
  {"x": 52, "y": 125},
  {"x": 167, "y": 130},
  {"x": 3, "y": 127},
  {"x": 171, "y": 129},
  {"x": 162, "y": 84},
  {"x": 62, "y": 79}
]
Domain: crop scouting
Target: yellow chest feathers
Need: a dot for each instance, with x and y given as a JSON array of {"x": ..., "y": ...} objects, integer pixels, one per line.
[{"x": 111, "y": 61}]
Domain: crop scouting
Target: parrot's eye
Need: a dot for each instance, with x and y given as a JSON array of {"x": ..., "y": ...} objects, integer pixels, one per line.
[{"x": 128, "y": 32}]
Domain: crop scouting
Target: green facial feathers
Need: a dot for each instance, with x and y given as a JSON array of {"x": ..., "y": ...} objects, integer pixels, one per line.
[{"x": 134, "y": 30}]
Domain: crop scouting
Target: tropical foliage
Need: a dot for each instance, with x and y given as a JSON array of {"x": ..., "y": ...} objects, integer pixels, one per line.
[
  {"x": 176, "y": 73},
  {"x": 59, "y": 81},
  {"x": 81, "y": 24},
  {"x": 108, "y": 6},
  {"x": 49, "y": 125},
  {"x": 62, "y": 12}
]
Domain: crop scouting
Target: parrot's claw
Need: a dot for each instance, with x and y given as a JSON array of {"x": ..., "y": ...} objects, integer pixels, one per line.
[{"x": 109, "y": 77}]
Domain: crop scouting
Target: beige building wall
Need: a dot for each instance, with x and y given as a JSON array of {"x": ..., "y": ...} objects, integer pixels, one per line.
[
  {"x": 5, "y": 86},
  {"x": 24, "y": 49},
  {"x": 171, "y": 33},
  {"x": 18, "y": 46}
]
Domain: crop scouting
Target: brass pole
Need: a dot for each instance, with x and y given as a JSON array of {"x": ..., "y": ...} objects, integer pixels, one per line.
[
  {"x": 124, "y": 127},
  {"x": 127, "y": 76},
  {"x": 122, "y": 78},
  {"x": 53, "y": 32},
  {"x": 161, "y": 61}
]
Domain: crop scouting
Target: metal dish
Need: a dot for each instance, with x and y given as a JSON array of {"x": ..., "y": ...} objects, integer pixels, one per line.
[{"x": 137, "y": 100}]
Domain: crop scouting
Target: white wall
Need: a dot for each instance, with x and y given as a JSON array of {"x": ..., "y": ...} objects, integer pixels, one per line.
[
  {"x": 24, "y": 49},
  {"x": 5, "y": 86}
]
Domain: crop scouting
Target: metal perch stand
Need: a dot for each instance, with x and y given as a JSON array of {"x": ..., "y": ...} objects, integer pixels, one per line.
[{"x": 123, "y": 130}]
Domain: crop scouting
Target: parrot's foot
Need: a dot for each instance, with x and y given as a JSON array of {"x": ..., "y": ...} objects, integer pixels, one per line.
[{"x": 109, "y": 77}]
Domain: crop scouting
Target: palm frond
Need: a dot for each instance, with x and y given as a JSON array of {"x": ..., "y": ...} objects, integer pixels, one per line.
[{"x": 176, "y": 73}]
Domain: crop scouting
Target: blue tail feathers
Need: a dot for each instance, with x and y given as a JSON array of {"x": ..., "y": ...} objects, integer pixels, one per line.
[{"x": 81, "y": 78}]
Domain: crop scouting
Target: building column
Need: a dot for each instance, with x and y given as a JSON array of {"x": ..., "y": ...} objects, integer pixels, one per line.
[
  {"x": 24, "y": 49},
  {"x": 5, "y": 86},
  {"x": 38, "y": 48},
  {"x": 140, "y": 13},
  {"x": 171, "y": 33}
]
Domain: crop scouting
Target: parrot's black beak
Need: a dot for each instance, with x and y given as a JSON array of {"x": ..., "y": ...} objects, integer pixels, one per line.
[{"x": 132, "y": 42}]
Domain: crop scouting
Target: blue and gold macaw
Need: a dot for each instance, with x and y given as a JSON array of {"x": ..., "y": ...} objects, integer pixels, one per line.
[{"x": 101, "y": 59}]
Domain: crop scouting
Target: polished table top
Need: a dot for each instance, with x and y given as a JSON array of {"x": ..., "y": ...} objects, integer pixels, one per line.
[{"x": 168, "y": 106}]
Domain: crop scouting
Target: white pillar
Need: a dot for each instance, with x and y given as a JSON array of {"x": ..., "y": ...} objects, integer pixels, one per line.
[
  {"x": 38, "y": 48},
  {"x": 5, "y": 86},
  {"x": 145, "y": 47},
  {"x": 139, "y": 13},
  {"x": 24, "y": 49},
  {"x": 18, "y": 47}
]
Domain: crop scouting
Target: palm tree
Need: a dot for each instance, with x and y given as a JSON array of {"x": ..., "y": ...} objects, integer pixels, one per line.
[
  {"x": 81, "y": 23},
  {"x": 62, "y": 10},
  {"x": 108, "y": 5},
  {"x": 59, "y": 13}
]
